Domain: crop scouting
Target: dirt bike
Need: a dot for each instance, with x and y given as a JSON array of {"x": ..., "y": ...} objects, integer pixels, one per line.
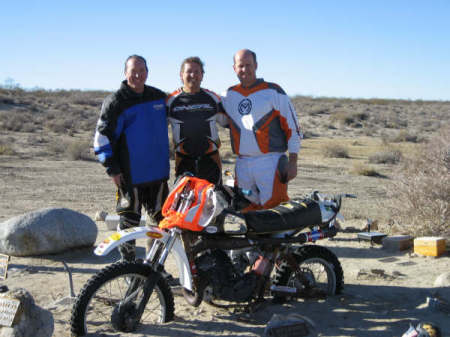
[{"x": 222, "y": 254}]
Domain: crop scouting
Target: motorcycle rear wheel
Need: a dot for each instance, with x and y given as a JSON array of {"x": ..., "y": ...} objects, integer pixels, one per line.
[
  {"x": 97, "y": 311},
  {"x": 319, "y": 266}
]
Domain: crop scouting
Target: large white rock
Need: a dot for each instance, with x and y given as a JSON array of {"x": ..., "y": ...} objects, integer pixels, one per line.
[
  {"x": 46, "y": 231},
  {"x": 442, "y": 287},
  {"x": 443, "y": 280},
  {"x": 30, "y": 320}
]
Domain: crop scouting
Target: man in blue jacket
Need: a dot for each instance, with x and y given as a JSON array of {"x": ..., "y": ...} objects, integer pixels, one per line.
[{"x": 131, "y": 141}]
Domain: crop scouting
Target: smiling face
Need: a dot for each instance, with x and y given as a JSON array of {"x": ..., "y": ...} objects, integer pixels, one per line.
[
  {"x": 136, "y": 74},
  {"x": 191, "y": 76},
  {"x": 245, "y": 67}
]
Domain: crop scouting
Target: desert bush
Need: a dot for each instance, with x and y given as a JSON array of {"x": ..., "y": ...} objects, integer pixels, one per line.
[
  {"x": 78, "y": 150},
  {"x": 349, "y": 118},
  {"x": 370, "y": 130},
  {"x": 63, "y": 125},
  {"x": 309, "y": 134},
  {"x": 15, "y": 122},
  {"x": 6, "y": 150},
  {"x": 56, "y": 147},
  {"x": 333, "y": 150},
  {"x": 429, "y": 125},
  {"x": 388, "y": 156},
  {"x": 419, "y": 196},
  {"x": 317, "y": 111},
  {"x": 29, "y": 127},
  {"x": 57, "y": 126},
  {"x": 364, "y": 170},
  {"x": 388, "y": 119},
  {"x": 405, "y": 136},
  {"x": 36, "y": 139},
  {"x": 343, "y": 118}
]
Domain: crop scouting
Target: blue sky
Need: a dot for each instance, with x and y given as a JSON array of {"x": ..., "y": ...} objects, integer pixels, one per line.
[{"x": 361, "y": 49}]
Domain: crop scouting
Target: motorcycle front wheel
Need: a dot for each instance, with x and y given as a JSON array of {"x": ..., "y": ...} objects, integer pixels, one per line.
[
  {"x": 109, "y": 300},
  {"x": 319, "y": 272}
]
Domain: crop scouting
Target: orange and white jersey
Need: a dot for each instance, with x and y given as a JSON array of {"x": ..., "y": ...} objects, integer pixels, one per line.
[{"x": 263, "y": 119}]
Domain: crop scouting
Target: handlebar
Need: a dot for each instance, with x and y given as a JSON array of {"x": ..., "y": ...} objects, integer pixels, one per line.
[{"x": 318, "y": 196}]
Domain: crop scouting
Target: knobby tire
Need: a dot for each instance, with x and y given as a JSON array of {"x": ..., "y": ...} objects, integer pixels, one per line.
[
  {"x": 99, "y": 285},
  {"x": 306, "y": 253}
]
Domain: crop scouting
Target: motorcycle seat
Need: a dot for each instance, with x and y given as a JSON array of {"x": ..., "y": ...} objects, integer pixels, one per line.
[{"x": 286, "y": 216}]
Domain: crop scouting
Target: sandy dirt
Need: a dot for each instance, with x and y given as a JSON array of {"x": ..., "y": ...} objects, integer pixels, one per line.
[{"x": 383, "y": 293}]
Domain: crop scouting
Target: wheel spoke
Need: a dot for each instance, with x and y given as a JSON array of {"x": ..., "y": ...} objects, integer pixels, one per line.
[
  {"x": 318, "y": 272},
  {"x": 104, "y": 306}
]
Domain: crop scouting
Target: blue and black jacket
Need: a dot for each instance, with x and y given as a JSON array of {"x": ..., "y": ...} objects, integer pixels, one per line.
[{"x": 131, "y": 135}]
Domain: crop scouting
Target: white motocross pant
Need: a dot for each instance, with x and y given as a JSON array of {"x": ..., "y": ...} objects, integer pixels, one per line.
[{"x": 259, "y": 175}]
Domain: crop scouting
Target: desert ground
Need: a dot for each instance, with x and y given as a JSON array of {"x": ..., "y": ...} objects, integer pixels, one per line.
[{"x": 46, "y": 160}]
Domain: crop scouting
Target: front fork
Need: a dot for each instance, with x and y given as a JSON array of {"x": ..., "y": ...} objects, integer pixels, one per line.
[
  {"x": 160, "y": 250},
  {"x": 157, "y": 256}
]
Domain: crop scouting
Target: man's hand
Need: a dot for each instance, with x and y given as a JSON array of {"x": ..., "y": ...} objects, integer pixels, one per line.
[
  {"x": 117, "y": 179},
  {"x": 292, "y": 166}
]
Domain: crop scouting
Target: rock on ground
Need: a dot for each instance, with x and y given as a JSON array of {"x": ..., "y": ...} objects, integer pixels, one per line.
[
  {"x": 100, "y": 216},
  {"x": 46, "y": 231},
  {"x": 31, "y": 320},
  {"x": 442, "y": 286},
  {"x": 443, "y": 280}
]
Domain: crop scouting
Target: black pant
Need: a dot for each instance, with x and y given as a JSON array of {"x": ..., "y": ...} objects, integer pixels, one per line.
[
  {"x": 130, "y": 201},
  {"x": 206, "y": 167}
]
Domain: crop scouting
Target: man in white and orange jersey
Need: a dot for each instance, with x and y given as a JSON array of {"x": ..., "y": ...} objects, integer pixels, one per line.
[{"x": 263, "y": 127}]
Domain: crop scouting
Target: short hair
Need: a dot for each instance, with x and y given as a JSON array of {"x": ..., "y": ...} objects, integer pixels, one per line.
[
  {"x": 192, "y": 59},
  {"x": 136, "y": 57},
  {"x": 247, "y": 51}
]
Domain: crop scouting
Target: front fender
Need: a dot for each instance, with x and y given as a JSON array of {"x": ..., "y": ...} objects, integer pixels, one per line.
[
  {"x": 135, "y": 233},
  {"x": 124, "y": 235}
]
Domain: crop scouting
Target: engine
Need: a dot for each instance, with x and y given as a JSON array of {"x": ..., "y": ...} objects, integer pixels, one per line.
[{"x": 216, "y": 269}]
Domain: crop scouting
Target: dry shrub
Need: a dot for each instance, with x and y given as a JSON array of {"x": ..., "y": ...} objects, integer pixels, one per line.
[
  {"x": 370, "y": 130},
  {"x": 349, "y": 118},
  {"x": 6, "y": 150},
  {"x": 429, "y": 125},
  {"x": 57, "y": 126},
  {"x": 64, "y": 125},
  {"x": 388, "y": 119},
  {"x": 332, "y": 150},
  {"x": 29, "y": 127},
  {"x": 56, "y": 147},
  {"x": 419, "y": 196},
  {"x": 78, "y": 150},
  {"x": 364, "y": 170},
  {"x": 388, "y": 156},
  {"x": 36, "y": 139},
  {"x": 317, "y": 111},
  {"x": 309, "y": 134},
  {"x": 15, "y": 121},
  {"x": 343, "y": 118},
  {"x": 405, "y": 136}
]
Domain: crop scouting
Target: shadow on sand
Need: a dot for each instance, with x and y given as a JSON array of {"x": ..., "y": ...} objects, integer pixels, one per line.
[{"x": 382, "y": 311}]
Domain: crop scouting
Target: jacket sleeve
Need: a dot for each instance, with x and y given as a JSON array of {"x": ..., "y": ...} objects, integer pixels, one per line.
[
  {"x": 221, "y": 116},
  {"x": 106, "y": 136},
  {"x": 289, "y": 115}
]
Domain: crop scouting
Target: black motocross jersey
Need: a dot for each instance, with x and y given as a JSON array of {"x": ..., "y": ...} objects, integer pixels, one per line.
[{"x": 193, "y": 118}]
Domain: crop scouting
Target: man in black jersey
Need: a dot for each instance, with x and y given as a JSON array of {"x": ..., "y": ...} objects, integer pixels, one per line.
[{"x": 193, "y": 113}]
